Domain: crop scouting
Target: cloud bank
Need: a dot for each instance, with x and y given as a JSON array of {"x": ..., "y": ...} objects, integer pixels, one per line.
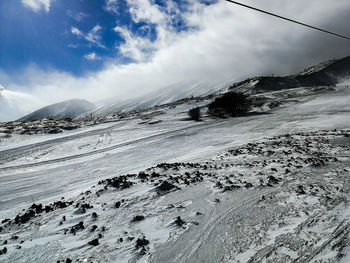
[
  {"x": 37, "y": 5},
  {"x": 219, "y": 41}
]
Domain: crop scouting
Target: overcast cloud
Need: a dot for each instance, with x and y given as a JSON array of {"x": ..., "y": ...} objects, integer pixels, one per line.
[{"x": 225, "y": 41}]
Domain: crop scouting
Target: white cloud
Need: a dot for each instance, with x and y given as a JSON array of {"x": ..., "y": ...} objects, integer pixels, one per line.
[
  {"x": 144, "y": 10},
  {"x": 76, "y": 31},
  {"x": 92, "y": 56},
  {"x": 137, "y": 48},
  {"x": 36, "y": 5},
  {"x": 227, "y": 42},
  {"x": 112, "y": 6},
  {"x": 77, "y": 16},
  {"x": 141, "y": 48},
  {"x": 93, "y": 36},
  {"x": 15, "y": 104}
]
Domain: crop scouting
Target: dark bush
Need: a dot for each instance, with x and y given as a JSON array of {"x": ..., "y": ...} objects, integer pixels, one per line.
[
  {"x": 195, "y": 114},
  {"x": 230, "y": 104},
  {"x": 141, "y": 242}
]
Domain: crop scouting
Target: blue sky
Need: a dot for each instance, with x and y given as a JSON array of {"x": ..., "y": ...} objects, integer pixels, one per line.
[
  {"x": 59, "y": 37},
  {"x": 74, "y": 36},
  {"x": 54, "y": 50}
]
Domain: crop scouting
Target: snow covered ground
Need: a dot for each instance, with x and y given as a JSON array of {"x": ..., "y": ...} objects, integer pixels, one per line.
[{"x": 269, "y": 187}]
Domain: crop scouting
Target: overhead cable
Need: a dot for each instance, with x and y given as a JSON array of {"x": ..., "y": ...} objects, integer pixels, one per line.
[{"x": 288, "y": 19}]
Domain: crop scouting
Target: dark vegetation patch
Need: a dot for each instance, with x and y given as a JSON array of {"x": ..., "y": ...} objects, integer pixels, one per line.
[
  {"x": 141, "y": 243},
  {"x": 195, "y": 114},
  {"x": 230, "y": 104},
  {"x": 46, "y": 126}
]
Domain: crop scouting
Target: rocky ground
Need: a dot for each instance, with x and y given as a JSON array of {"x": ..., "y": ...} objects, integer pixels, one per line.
[
  {"x": 45, "y": 126},
  {"x": 279, "y": 199}
]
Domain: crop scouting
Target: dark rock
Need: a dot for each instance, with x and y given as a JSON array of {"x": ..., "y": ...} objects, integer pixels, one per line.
[
  {"x": 37, "y": 208},
  {"x": 138, "y": 218},
  {"x": 165, "y": 186},
  {"x": 94, "y": 242},
  {"x": 77, "y": 227},
  {"x": 300, "y": 190},
  {"x": 273, "y": 180},
  {"x": 141, "y": 242},
  {"x": 5, "y": 220},
  {"x": 179, "y": 222},
  {"x": 120, "y": 182},
  {"x": 3, "y": 251},
  {"x": 94, "y": 215},
  {"x": 248, "y": 185}
]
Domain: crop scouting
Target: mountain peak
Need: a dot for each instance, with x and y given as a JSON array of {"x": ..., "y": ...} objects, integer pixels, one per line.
[{"x": 66, "y": 109}]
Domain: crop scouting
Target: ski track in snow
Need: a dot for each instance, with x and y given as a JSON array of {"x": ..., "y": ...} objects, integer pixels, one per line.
[{"x": 266, "y": 188}]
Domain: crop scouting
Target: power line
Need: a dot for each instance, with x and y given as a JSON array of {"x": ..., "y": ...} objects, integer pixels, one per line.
[{"x": 288, "y": 19}]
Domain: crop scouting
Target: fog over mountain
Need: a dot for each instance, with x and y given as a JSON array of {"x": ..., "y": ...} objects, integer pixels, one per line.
[
  {"x": 218, "y": 41},
  {"x": 63, "y": 110},
  {"x": 14, "y": 104}
]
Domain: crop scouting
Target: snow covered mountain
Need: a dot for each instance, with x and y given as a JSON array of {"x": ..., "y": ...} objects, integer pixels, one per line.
[
  {"x": 328, "y": 73},
  {"x": 272, "y": 187},
  {"x": 164, "y": 95},
  {"x": 62, "y": 110},
  {"x": 155, "y": 186}
]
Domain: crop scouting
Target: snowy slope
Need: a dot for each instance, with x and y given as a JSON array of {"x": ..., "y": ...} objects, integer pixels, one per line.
[
  {"x": 329, "y": 73},
  {"x": 273, "y": 186},
  {"x": 62, "y": 110},
  {"x": 164, "y": 95},
  {"x": 157, "y": 187}
]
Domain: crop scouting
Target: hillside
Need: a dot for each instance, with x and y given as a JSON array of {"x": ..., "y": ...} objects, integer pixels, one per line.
[
  {"x": 271, "y": 187},
  {"x": 325, "y": 74},
  {"x": 166, "y": 95},
  {"x": 328, "y": 73},
  {"x": 153, "y": 186},
  {"x": 62, "y": 110}
]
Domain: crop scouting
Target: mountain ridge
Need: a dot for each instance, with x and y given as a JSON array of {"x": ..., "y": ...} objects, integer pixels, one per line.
[
  {"x": 62, "y": 110},
  {"x": 328, "y": 73}
]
